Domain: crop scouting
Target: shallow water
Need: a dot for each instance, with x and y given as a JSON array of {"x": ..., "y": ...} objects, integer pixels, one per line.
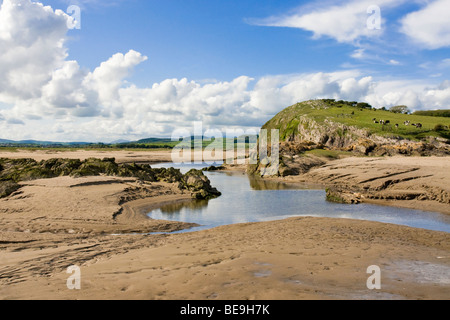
[{"x": 253, "y": 200}]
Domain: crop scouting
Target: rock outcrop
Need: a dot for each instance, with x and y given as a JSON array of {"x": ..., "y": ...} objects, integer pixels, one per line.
[
  {"x": 345, "y": 127},
  {"x": 338, "y": 136},
  {"x": 195, "y": 181},
  {"x": 14, "y": 171}
]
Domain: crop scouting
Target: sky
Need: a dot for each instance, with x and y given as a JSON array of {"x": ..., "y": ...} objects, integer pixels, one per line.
[{"x": 99, "y": 71}]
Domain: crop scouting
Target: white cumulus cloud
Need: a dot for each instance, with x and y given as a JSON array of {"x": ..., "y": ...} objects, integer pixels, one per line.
[
  {"x": 345, "y": 22},
  {"x": 430, "y": 25},
  {"x": 31, "y": 42},
  {"x": 107, "y": 78}
]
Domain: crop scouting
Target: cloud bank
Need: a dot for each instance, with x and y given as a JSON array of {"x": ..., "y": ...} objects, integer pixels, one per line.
[{"x": 43, "y": 95}]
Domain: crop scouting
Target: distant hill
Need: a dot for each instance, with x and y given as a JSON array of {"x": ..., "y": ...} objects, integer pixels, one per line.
[
  {"x": 153, "y": 140},
  {"x": 148, "y": 143},
  {"x": 164, "y": 143},
  {"x": 37, "y": 143},
  {"x": 120, "y": 141},
  {"x": 434, "y": 113},
  {"x": 4, "y": 141}
]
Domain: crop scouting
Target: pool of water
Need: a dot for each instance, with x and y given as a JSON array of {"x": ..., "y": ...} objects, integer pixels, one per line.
[{"x": 247, "y": 199}]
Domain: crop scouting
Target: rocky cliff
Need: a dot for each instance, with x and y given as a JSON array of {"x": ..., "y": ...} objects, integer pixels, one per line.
[{"x": 352, "y": 127}]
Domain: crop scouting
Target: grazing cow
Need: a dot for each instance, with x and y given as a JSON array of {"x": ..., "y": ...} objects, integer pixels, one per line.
[
  {"x": 407, "y": 123},
  {"x": 396, "y": 125},
  {"x": 418, "y": 125},
  {"x": 387, "y": 122},
  {"x": 382, "y": 121},
  {"x": 374, "y": 119}
]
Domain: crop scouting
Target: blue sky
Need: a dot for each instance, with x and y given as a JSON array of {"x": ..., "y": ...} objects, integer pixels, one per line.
[
  {"x": 196, "y": 39},
  {"x": 140, "y": 68},
  {"x": 214, "y": 39}
]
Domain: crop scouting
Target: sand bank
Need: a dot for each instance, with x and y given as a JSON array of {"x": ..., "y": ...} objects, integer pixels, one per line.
[
  {"x": 121, "y": 156},
  {"x": 298, "y": 258},
  {"x": 124, "y": 156},
  {"x": 97, "y": 223}
]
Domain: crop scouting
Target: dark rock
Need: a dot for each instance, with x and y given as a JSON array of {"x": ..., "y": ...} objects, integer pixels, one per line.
[
  {"x": 214, "y": 168},
  {"x": 7, "y": 188},
  {"x": 200, "y": 186},
  {"x": 14, "y": 171},
  {"x": 338, "y": 196}
]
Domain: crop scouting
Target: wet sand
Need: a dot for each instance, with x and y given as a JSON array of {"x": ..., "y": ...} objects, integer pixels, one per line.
[
  {"x": 98, "y": 224},
  {"x": 297, "y": 258}
]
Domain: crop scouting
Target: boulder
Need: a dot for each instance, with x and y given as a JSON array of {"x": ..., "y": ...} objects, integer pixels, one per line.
[
  {"x": 199, "y": 185},
  {"x": 7, "y": 188}
]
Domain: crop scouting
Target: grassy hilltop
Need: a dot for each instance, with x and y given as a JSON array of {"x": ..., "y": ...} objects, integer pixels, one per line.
[
  {"x": 313, "y": 130},
  {"x": 357, "y": 115}
]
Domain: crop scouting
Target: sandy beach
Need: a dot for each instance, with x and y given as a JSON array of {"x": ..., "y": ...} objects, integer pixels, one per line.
[
  {"x": 120, "y": 156},
  {"x": 224, "y": 150},
  {"x": 301, "y": 258},
  {"x": 98, "y": 224}
]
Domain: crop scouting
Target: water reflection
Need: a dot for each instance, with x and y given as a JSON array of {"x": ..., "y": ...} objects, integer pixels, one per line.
[
  {"x": 174, "y": 208},
  {"x": 247, "y": 199},
  {"x": 265, "y": 184}
]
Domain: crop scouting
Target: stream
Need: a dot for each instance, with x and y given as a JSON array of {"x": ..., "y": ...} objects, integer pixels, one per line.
[{"x": 246, "y": 199}]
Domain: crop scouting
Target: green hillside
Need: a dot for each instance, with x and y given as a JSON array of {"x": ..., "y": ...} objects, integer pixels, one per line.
[
  {"x": 359, "y": 115},
  {"x": 434, "y": 113}
]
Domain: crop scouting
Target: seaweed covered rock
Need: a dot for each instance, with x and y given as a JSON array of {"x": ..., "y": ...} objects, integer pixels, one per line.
[
  {"x": 195, "y": 179},
  {"x": 96, "y": 167},
  {"x": 142, "y": 172},
  {"x": 13, "y": 171},
  {"x": 60, "y": 167},
  {"x": 19, "y": 169},
  {"x": 170, "y": 175},
  {"x": 339, "y": 196},
  {"x": 7, "y": 188},
  {"x": 200, "y": 186},
  {"x": 29, "y": 169}
]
